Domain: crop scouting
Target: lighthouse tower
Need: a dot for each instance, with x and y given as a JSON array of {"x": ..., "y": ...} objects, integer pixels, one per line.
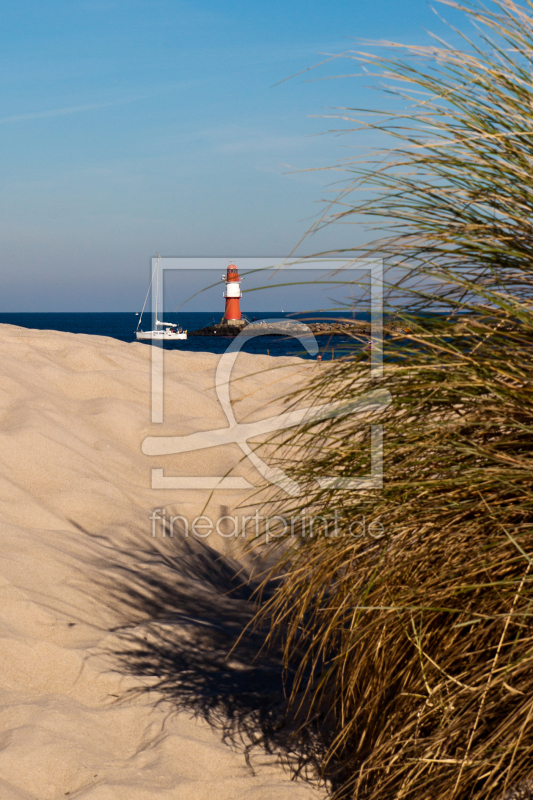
[{"x": 233, "y": 294}]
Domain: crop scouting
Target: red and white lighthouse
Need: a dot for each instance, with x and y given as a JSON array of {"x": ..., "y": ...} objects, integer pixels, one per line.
[{"x": 233, "y": 294}]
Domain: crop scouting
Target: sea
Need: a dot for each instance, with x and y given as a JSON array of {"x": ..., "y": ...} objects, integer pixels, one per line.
[{"x": 122, "y": 326}]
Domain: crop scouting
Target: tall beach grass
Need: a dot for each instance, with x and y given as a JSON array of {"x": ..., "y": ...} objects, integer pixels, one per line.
[{"x": 415, "y": 639}]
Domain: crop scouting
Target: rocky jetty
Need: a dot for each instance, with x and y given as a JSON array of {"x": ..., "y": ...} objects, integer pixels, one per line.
[
  {"x": 262, "y": 328},
  {"x": 340, "y": 327},
  {"x": 217, "y": 330},
  {"x": 290, "y": 327},
  {"x": 354, "y": 327}
]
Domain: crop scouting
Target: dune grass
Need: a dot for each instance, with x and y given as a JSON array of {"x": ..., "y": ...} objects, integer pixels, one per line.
[{"x": 415, "y": 642}]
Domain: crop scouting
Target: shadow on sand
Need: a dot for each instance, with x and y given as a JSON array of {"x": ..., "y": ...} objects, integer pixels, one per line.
[{"x": 189, "y": 609}]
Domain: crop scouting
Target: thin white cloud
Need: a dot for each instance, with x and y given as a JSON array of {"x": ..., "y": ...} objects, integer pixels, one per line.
[{"x": 60, "y": 112}]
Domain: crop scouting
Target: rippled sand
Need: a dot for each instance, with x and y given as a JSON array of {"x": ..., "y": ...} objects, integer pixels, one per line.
[{"x": 83, "y": 579}]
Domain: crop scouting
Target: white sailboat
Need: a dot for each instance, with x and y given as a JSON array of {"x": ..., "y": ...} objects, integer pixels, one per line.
[{"x": 164, "y": 331}]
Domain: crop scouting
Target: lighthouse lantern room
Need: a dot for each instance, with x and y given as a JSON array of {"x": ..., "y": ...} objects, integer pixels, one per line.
[{"x": 233, "y": 294}]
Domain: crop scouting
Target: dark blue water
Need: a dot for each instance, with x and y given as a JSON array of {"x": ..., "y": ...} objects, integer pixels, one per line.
[{"x": 122, "y": 326}]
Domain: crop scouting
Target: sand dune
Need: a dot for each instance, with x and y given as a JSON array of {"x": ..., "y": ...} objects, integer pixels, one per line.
[{"x": 93, "y": 607}]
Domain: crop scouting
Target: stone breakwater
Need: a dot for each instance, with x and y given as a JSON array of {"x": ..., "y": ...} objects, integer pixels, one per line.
[
  {"x": 290, "y": 328},
  {"x": 217, "y": 330},
  {"x": 354, "y": 328}
]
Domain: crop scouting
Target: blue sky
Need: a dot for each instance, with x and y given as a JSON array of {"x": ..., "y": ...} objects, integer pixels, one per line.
[{"x": 129, "y": 128}]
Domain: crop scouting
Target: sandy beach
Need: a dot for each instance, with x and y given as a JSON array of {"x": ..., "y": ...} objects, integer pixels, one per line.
[{"x": 94, "y": 606}]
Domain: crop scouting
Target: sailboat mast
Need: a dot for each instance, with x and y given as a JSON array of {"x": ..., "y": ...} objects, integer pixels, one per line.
[
  {"x": 157, "y": 297},
  {"x": 146, "y": 298},
  {"x": 157, "y": 292}
]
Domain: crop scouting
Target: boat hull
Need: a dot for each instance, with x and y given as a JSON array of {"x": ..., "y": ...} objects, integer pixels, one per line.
[{"x": 165, "y": 336}]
